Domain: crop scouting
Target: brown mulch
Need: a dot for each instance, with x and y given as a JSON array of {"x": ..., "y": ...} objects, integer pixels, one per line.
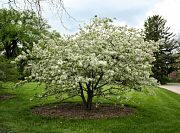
[
  {"x": 6, "y": 96},
  {"x": 72, "y": 110}
]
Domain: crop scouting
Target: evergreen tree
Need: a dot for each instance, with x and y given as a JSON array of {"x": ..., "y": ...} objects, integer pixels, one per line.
[{"x": 155, "y": 29}]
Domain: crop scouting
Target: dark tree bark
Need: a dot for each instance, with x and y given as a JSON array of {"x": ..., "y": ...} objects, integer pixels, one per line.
[
  {"x": 14, "y": 48},
  {"x": 89, "y": 95},
  {"x": 87, "y": 102},
  {"x": 91, "y": 88},
  {"x": 7, "y": 51},
  {"x": 11, "y": 50},
  {"x": 82, "y": 94}
]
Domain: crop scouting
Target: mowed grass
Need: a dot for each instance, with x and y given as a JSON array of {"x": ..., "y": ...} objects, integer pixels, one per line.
[{"x": 159, "y": 113}]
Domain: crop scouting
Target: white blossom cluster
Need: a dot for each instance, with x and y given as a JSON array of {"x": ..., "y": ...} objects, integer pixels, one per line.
[{"x": 99, "y": 54}]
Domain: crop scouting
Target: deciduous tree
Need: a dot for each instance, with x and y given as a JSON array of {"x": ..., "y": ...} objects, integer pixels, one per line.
[
  {"x": 18, "y": 30},
  {"x": 99, "y": 55}
]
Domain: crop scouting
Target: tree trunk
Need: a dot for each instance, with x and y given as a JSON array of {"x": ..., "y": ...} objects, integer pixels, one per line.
[
  {"x": 8, "y": 52},
  {"x": 14, "y": 48},
  {"x": 82, "y": 95},
  {"x": 89, "y": 95},
  {"x": 87, "y": 103},
  {"x": 11, "y": 50},
  {"x": 89, "y": 100}
]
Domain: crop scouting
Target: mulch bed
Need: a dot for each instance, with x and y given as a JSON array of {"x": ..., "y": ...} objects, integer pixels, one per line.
[
  {"x": 76, "y": 110},
  {"x": 6, "y": 96}
]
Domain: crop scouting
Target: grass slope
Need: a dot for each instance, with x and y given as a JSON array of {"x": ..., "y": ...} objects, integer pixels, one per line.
[{"x": 158, "y": 113}]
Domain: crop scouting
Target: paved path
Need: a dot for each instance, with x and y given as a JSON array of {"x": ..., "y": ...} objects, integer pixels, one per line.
[{"x": 175, "y": 87}]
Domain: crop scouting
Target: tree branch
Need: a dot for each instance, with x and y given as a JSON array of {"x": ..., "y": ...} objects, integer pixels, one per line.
[
  {"x": 82, "y": 93},
  {"x": 101, "y": 85},
  {"x": 95, "y": 87}
]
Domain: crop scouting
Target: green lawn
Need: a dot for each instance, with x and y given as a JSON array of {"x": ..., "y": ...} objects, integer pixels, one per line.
[{"x": 158, "y": 113}]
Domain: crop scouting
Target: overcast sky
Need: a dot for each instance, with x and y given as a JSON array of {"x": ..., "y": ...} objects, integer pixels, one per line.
[{"x": 127, "y": 12}]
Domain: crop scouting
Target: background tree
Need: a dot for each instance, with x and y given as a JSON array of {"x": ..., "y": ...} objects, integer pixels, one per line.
[
  {"x": 18, "y": 30},
  {"x": 155, "y": 29},
  {"x": 98, "y": 55}
]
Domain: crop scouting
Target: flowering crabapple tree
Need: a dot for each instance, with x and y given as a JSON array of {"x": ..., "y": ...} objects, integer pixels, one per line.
[{"x": 99, "y": 55}]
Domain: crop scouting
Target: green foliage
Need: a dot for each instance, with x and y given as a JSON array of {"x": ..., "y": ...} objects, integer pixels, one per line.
[
  {"x": 18, "y": 31},
  {"x": 155, "y": 28},
  {"x": 8, "y": 71},
  {"x": 165, "y": 63}
]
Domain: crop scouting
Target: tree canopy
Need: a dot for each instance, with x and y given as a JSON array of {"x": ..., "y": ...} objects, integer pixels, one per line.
[{"x": 99, "y": 54}]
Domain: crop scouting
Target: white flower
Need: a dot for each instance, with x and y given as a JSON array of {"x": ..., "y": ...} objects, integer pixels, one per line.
[{"x": 98, "y": 51}]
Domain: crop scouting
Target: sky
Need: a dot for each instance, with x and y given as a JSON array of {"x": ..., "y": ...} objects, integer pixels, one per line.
[{"x": 127, "y": 12}]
